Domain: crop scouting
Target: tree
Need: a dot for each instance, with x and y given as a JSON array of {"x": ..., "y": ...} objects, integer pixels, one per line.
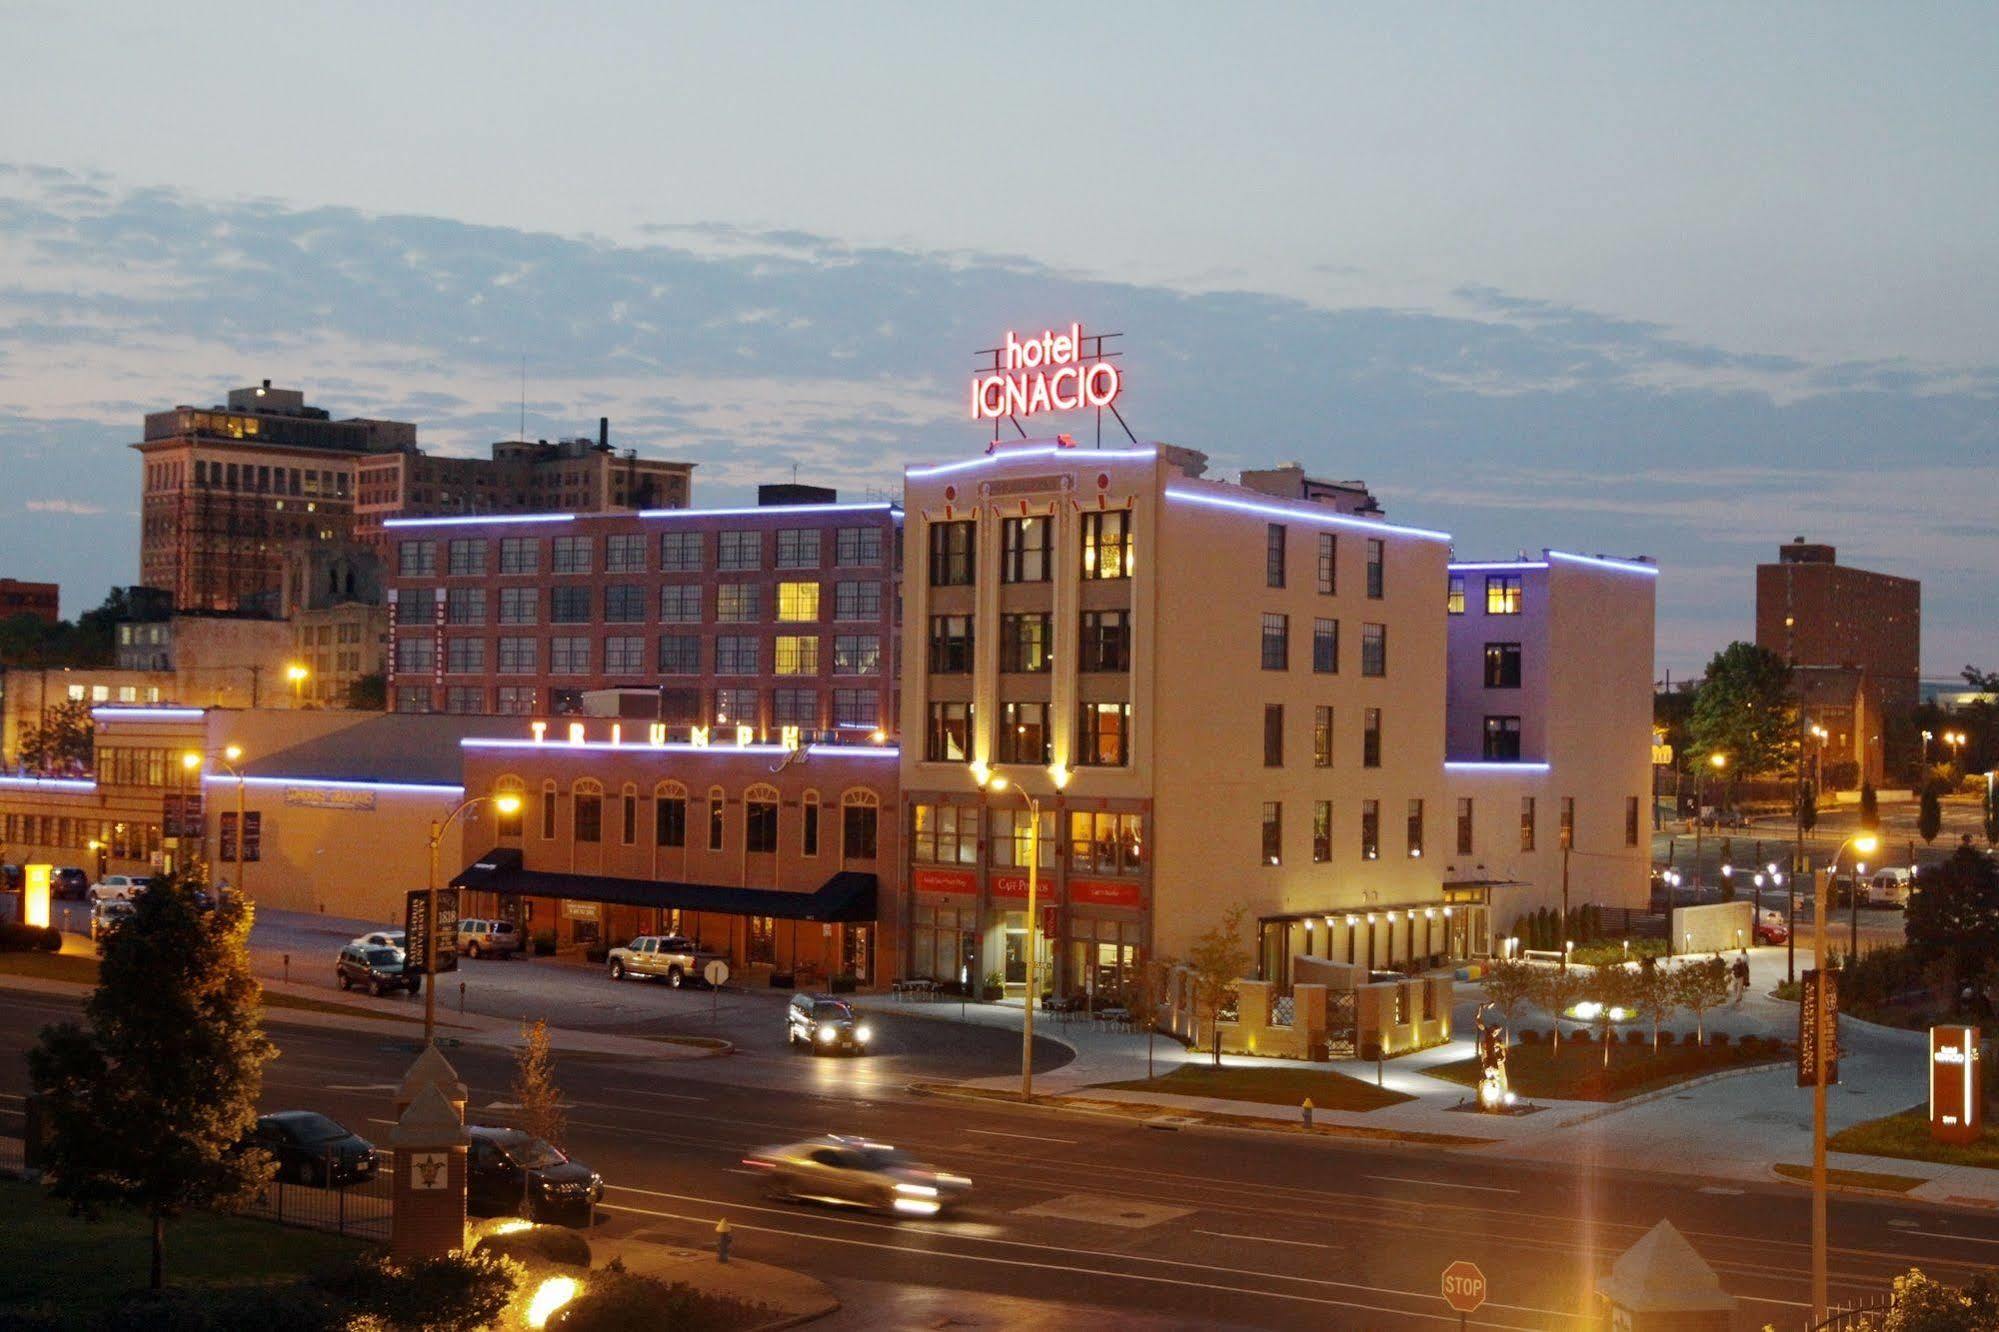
[
  {"x": 1808, "y": 806},
  {"x": 1508, "y": 985},
  {"x": 1953, "y": 916},
  {"x": 535, "y": 1091},
  {"x": 1557, "y": 991},
  {"x": 148, "y": 1106},
  {"x": 1991, "y": 813},
  {"x": 1870, "y": 808},
  {"x": 1744, "y": 709},
  {"x": 1654, "y": 995},
  {"x": 368, "y": 693},
  {"x": 1698, "y": 985},
  {"x": 1218, "y": 960},
  {"x": 1610, "y": 988},
  {"x": 63, "y": 741},
  {"x": 1922, "y": 1304},
  {"x": 1929, "y": 817}
]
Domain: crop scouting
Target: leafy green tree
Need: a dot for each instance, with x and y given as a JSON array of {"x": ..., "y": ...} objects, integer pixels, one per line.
[
  {"x": 1929, "y": 816},
  {"x": 148, "y": 1105},
  {"x": 1745, "y": 710},
  {"x": 369, "y": 693},
  {"x": 1923, "y": 1304},
  {"x": 1991, "y": 814},
  {"x": 1699, "y": 985},
  {"x": 1509, "y": 985},
  {"x": 1654, "y": 995},
  {"x": 1611, "y": 988},
  {"x": 1218, "y": 959},
  {"x": 1558, "y": 990},
  {"x": 1953, "y": 916},
  {"x": 1808, "y": 806},
  {"x": 535, "y": 1090},
  {"x": 63, "y": 741},
  {"x": 1870, "y": 808}
]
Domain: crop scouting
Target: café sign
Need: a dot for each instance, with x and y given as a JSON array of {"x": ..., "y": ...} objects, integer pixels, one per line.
[{"x": 1046, "y": 372}]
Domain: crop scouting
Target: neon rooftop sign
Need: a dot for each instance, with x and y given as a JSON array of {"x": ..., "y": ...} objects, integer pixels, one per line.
[{"x": 1052, "y": 371}]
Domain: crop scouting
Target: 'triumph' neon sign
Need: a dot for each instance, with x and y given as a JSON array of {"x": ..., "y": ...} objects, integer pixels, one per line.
[{"x": 1044, "y": 373}]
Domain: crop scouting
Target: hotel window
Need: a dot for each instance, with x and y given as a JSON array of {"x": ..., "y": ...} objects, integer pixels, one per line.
[
  {"x": 1502, "y": 665},
  {"x": 1273, "y": 554},
  {"x": 1326, "y": 647},
  {"x": 944, "y": 834},
  {"x": 1276, "y": 642},
  {"x": 856, "y": 709},
  {"x": 1107, "y": 544},
  {"x": 1568, "y": 821},
  {"x": 518, "y": 604},
  {"x": 1370, "y": 738},
  {"x": 1370, "y": 830},
  {"x": 465, "y": 656},
  {"x": 1106, "y": 843},
  {"x": 857, "y": 601},
  {"x": 680, "y": 603},
  {"x": 1454, "y": 595},
  {"x": 571, "y": 554},
  {"x": 1631, "y": 820},
  {"x": 798, "y": 548},
  {"x": 797, "y": 654},
  {"x": 625, "y": 554},
  {"x": 679, "y": 654},
  {"x": 1374, "y": 649},
  {"x": 1013, "y": 839},
  {"x": 1502, "y": 739},
  {"x": 950, "y": 644},
  {"x": 516, "y": 700},
  {"x": 415, "y": 654},
  {"x": 569, "y": 605},
  {"x": 948, "y": 738},
  {"x": 795, "y": 707},
  {"x": 1377, "y": 555},
  {"x": 739, "y": 550},
  {"x": 1502, "y": 594},
  {"x": 587, "y": 814},
  {"x": 808, "y": 831},
  {"x": 1024, "y": 550},
  {"x": 1464, "y": 825},
  {"x": 736, "y": 603},
  {"x": 1023, "y": 733},
  {"x": 735, "y": 654},
  {"x": 735, "y": 707},
  {"x": 569, "y": 656},
  {"x": 462, "y": 605},
  {"x": 760, "y": 821},
  {"x": 856, "y": 654},
  {"x": 857, "y": 545},
  {"x": 520, "y": 555},
  {"x": 624, "y": 654},
  {"x": 680, "y": 552},
  {"x": 715, "y": 803},
  {"x": 465, "y": 700},
  {"x": 1526, "y": 823},
  {"x": 417, "y": 559},
  {"x": 798, "y": 603},
  {"x": 548, "y": 811},
  {"x": 1106, "y": 644},
  {"x": 1329, "y": 571},
  {"x": 1322, "y": 737},
  {"x": 624, "y": 603},
  {"x": 1103, "y": 735},
  {"x": 467, "y": 555},
  {"x": 669, "y": 819},
  {"x": 860, "y": 819},
  {"x": 518, "y": 656},
  {"x": 951, "y": 554},
  {"x": 1024, "y": 642},
  {"x": 1415, "y": 829},
  {"x": 1273, "y": 735},
  {"x": 1273, "y": 832}
]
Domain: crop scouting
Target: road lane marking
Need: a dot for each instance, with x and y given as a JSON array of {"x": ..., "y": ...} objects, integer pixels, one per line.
[
  {"x": 1721, "y": 1192},
  {"x": 1029, "y": 1137},
  {"x": 1266, "y": 1239},
  {"x": 1438, "y": 1183},
  {"x": 670, "y": 1096},
  {"x": 1939, "y": 1234},
  {"x": 360, "y": 1086}
]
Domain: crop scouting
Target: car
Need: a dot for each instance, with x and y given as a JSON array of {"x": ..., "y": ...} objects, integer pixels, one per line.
[
  {"x": 113, "y": 887},
  {"x": 397, "y": 939},
  {"x": 105, "y": 914},
  {"x": 488, "y": 938},
  {"x": 70, "y": 884},
  {"x": 855, "y": 1172},
  {"x": 509, "y": 1172},
  {"x": 1772, "y": 933},
  {"x": 376, "y": 970},
  {"x": 679, "y": 961},
  {"x": 313, "y": 1149},
  {"x": 824, "y": 1024},
  {"x": 1888, "y": 888},
  {"x": 12, "y": 877}
]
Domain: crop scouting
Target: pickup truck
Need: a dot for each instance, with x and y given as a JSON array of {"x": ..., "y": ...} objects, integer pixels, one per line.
[{"x": 679, "y": 960}]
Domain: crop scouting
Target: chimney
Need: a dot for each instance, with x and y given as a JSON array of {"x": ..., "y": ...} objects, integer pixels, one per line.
[{"x": 603, "y": 432}]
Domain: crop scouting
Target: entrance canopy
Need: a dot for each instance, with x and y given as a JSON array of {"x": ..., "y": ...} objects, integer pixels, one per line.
[{"x": 848, "y": 897}]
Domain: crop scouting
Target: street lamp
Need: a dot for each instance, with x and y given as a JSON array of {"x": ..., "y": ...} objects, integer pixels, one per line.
[
  {"x": 190, "y": 766},
  {"x": 296, "y": 673},
  {"x": 993, "y": 781},
  {"x": 1717, "y": 762},
  {"x": 1864, "y": 843},
  {"x": 507, "y": 803}
]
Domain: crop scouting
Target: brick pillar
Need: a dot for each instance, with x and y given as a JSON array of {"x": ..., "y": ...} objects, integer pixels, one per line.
[
  {"x": 431, "y": 1069},
  {"x": 1661, "y": 1285},
  {"x": 428, "y": 1201}
]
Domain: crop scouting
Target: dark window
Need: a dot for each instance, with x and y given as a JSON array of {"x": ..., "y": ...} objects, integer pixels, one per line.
[
  {"x": 1023, "y": 733},
  {"x": 669, "y": 821},
  {"x": 1502, "y": 665},
  {"x": 1273, "y": 555},
  {"x": 1502, "y": 739},
  {"x": 810, "y": 837},
  {"x": 858, "y": 831},
  {"x": 589, "y": 820},
  {"x": 714, "y": 823},
  {"x": 951, "y": 644},
  {"x": 1377, "y": 555},
  {"x": 1276, "y": 642},
  {"x": 1106, "y": 641},
  {"x": 1526, "y": 823},
  {"x": 760, "y": 826},
  {"x": 1024, "y": 550},
  {"x": 1104, "y": 735},
  {"x": 1329, "y": 571},
  {"x": 1464, "y": 825},
  {"x": 951, "y": 559},
  {"x": 1370, "y": 738},
  {"x": 624, "y": 603},
  {"x": 1370, "y": 830},
  {"x": 1415, "y": 829},
  {"x": 1374, "y": 649},
  {"x": 1631, "y": 820},
  {"x": 1024, "y": 641},
  {"x": 1326, "y": 647},
  {"x": 569, "y": 605},
  {"x": 630, "y": 832},
  {"x": 1273, "y": 735}
]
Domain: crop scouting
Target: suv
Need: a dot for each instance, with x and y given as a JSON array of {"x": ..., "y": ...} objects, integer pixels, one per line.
[
  {"x": 480, "y": 938},
  {"x": 70, "y": 885},
  {"x": 112, "y": 887},
  {"x": 375, "y": 969},
  {"x": 1888, "y": 887},
  {"x": 104, "y": 915},
  {"x": 680, "y": 961},
  {"x": 510, "y": 1172},
  {"x": 822, "y": 1023}
]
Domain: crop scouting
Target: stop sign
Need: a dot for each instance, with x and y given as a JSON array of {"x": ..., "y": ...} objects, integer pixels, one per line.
[{"x": 1464, "y": 1286}]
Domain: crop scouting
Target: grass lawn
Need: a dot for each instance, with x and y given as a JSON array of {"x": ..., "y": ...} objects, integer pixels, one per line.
[
  {"x": 1907, "y": 1135},
  {"x": 1853, "y": 1179},
  {"x": 51, "y": 1261},
  {"x": 1579, "y": 1075},
  {"x": 1268, "y": 1086},
  {"x": 81, "y": 969}
]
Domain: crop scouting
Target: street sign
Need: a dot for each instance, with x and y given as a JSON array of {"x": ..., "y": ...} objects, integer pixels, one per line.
[
  {"x": 1464, "y": 1286},
  {"x": 1810, "y": 1038},
  {"x": 420, "y": 940},
  {"x": 716, "y": 973}
]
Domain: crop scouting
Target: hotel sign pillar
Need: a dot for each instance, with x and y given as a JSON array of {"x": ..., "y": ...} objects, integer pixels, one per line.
[
  {"x": 427, "y": 1217},
  {"x": 1957, "y": 1094}
]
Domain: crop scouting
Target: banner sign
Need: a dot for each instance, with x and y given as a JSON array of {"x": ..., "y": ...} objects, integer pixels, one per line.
[
  {"x": 1812, "y": 1041},
  {"x": 421, "y": 939},
  {"x": 327, "y": 797},
  {"x": 252, "y": 836}
]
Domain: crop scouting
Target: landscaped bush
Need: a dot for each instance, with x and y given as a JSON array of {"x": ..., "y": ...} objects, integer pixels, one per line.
[
  {"x": 1580, "y": 1036},
  {"x": 16, "y": 937},
  {"x": 455, "y": 1294},
  {"x": 1636, "y": 1037},
  {"x": 1666, "y": 1038},
  {"x": 597, "y": 952},
  {"x": 1530, "y": 1037},
  {"x": 616, "y": 1301},
  {"x": 543, "y": 944},
  {"x": 1718, "y": 1038},
  {"x": 548, "y": 1244},
  {"x": 296, "y": 1308}
]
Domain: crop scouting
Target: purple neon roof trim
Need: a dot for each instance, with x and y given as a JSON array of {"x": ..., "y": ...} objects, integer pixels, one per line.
[
  {"x": 1303, "y": 512},
  {"x": 130, "y": 713},
  {"x": 84, "y": 784},
  {"x": 338, "y": 783}
]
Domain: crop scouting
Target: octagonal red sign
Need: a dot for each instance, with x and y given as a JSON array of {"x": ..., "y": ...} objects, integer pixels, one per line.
[{"x": 1464, "y": 1286}]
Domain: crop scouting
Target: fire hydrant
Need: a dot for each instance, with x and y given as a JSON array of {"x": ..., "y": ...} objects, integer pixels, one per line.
[
  {"x": 1307, "y": 1108},
  {"x": 722, "y": 1236}
]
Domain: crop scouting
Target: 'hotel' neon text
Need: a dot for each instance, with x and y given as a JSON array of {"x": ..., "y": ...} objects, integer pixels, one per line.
[{"x": 1042, "y": 374}]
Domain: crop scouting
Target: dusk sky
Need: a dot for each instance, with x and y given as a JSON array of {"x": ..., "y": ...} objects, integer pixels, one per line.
[{"x": 1685, "y": 281}]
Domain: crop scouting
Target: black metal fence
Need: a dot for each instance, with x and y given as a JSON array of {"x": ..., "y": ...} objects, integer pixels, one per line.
[
  {"x": 318, "y": 1197},
  {"x": 1853, "y": 1317}
]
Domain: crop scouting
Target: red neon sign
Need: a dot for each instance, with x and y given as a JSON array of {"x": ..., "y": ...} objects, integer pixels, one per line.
[{"x": 1049, "y": 372}]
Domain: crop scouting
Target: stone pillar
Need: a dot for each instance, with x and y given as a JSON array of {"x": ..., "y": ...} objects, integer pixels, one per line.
[
  {"x": 431, "y": 1069},
  {"x": 1308, "y": 1019},
  {"x": 1662, "y": 1285},
  {"x": 1252, "y": 1004},
  {"x": 428, "y": 1198}
]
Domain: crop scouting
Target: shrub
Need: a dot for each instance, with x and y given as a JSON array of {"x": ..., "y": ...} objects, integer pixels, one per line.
[
  {"x": 455, "y": 1294},
  {"x": 295, "y": 1308},
  {"x": 549, "y": 1244},
  {"x": 1530, "y": 1037},
  {"x": 1580, "y": 1036},
  {"x": 1719, "y": 1038},
  {"x": 16, "y": 937},
  {"x": 616, "y": 1301},
  {"x": 544, "y": 944},
  {"x": 1666, "y": 1038},
  {"x": 1636, "y": 1037}
]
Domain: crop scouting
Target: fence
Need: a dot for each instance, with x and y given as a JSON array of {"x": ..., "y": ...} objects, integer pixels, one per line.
[
  {"x": 360, "y": 1208},
  {"x": 1853, "y": 1317}
]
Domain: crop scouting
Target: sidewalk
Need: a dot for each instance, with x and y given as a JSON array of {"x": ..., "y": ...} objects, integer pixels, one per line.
[{"x": 674, "y": 1255}]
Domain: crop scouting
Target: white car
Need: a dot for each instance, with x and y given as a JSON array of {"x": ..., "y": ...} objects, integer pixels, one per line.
[
  {"x": 107, "y": 913},
  {"x": 1889, "y": 887},
  {"x": 384, "y": 939},
  {"x": 115, "y": 888}
]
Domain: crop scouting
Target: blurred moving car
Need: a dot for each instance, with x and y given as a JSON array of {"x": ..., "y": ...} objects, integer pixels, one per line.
[
  {"x": 397, "y": 939},
  {"x": 103, "y": 915},
  {"x": 488, "y": 938},
  {"x": 855, "y": 1172},
  {"x": 313, "y": 1149},
  {"x": 509, "y": 1172},
  {"x": 823, "y": 1023},
  {"x": 376, "y": 970},
  {"x": 678, "y": 960}
]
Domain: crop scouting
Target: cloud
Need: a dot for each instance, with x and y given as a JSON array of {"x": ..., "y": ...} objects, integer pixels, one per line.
[{"x": 75, "y": 508}]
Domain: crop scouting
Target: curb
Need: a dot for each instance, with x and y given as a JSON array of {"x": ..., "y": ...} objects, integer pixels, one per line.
[
  {"x": 1831, "y": 1187},
  {"x": 1646, "y": 1098}
]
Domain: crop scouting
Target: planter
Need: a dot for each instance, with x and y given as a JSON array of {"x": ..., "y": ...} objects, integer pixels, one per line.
[
  {"x": 992, "y": 994},
  {"x": 844, "y": 984},
  {"x": 780, "y": 980}
]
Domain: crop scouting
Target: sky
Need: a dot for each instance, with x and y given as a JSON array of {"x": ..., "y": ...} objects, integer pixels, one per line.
[{"x": 1684, "y": 281}]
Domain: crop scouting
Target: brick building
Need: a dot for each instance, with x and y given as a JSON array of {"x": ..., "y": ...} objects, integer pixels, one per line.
[{"x": 37, "y": 599}]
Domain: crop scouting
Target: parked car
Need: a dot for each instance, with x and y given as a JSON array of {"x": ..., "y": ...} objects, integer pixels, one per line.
[
  {"x": 312, "y": 1149},
  {"x": 105, "y": 914},
  {"x": 857, "y": 1173},
  {"x": 1768, "y": 932},
  {"x": 510, "y": 1172},
  {"x": 12, "y": 877},
  {"x": 488, "y": 938},
  {"x": 1889, "y": 888},
  {"x": 678, "y": 960},
  {"x": 113, "y": 887},
  {"x": 823, "y": 1024},
  {"x": 70, "y": 884},
  {"x": 398, "y": 939},
  {"x": 376, "y": 970}
]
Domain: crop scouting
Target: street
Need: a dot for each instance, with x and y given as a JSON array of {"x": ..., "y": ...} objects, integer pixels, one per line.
[{"x": 1194, "y": 1227}]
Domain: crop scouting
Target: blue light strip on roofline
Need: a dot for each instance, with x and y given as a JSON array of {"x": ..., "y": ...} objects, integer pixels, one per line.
[
  {"x": 1302, "y": 512},
  {"x": 84, "y": 785},
  {"x": 338, "y": 783},
  {"x": 1489, "y": 765},
  {"x": 680, "y": 747},
  {"x": 148, "y": 714},
  {"x": 1496, "y": 566},
  {"x": 771, "y": 510},
  {"x": 1620, "y": 566},
  {"x": 1048, "y": 451},
  {"x": 480, "y": 519}
]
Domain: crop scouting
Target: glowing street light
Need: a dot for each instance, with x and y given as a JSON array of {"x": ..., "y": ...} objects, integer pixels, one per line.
[
  {"x": 997, "y": 782},
  {"x": 507, "y": 803}
]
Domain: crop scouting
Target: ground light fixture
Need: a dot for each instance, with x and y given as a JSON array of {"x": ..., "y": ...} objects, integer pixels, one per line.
[{"x": 550, "y": 1296}]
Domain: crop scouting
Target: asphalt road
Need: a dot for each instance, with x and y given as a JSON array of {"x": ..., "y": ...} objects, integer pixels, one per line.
[{"x": 1138, "y": 1227}]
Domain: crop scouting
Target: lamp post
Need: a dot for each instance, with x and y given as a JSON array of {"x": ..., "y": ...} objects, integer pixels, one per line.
[
  {"x": 506, "y": 803},
  {"x": 296, "y": 673},
  {"x": 190, "y": 764},
  {"x": 1955, "y": 739},
  {"x": 1717, "y": 762},
  {"x": 998, "y": 782},
  {"x": 1864, "y": 843}
]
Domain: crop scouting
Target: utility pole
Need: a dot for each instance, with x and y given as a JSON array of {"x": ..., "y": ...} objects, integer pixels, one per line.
[
  {"x": 1566, "y": 838},
  {"x": 1819, "y": 1051}
]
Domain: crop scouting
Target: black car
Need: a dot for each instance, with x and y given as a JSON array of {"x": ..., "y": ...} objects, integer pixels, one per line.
[
  {"x": 376, "y": 970},
  {"x": 312, "y": 1149},
  {"x": 69, "y": 884},
  {"x": 512, "y": 1173}
]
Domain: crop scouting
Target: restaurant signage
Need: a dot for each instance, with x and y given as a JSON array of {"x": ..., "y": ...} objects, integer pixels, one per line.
[{"x": 943, "y": 881}]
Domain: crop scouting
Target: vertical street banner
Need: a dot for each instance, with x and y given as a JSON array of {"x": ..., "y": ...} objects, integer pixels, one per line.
[
  {"x": 253, "y": 835},
  {"x": 225, "y": 851},
  {"x": 1815, "y": 1042},
  {"x": 425, "y": 937}
]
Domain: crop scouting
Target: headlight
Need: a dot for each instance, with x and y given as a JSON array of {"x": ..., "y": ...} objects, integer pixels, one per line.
[
  {"x": 826, "y": 1033},
  {"x": 916, "y": 1190},
  {"x": 862, "y": 1034}
]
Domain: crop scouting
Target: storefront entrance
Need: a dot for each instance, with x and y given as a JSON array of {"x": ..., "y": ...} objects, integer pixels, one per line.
[{"x": 1015, "y": 938}]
